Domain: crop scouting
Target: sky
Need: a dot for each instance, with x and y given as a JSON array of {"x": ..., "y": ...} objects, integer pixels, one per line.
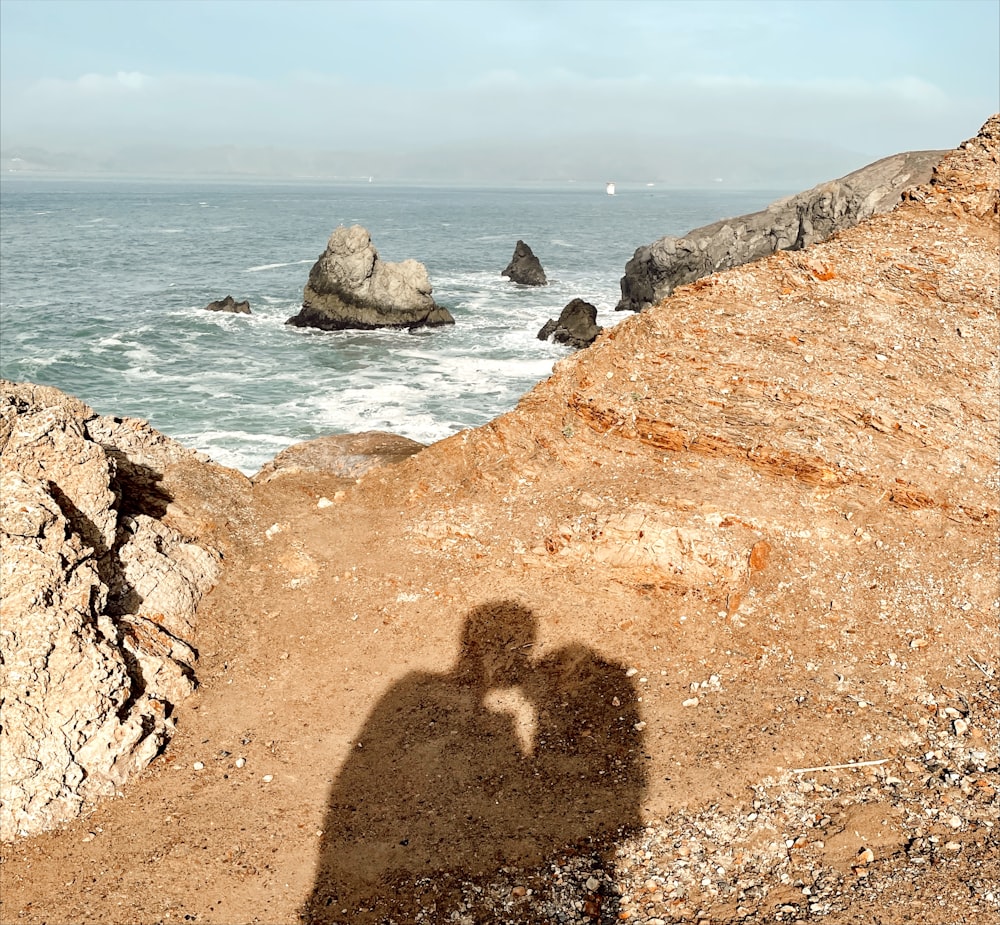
[{"x": 673, "y": 91}]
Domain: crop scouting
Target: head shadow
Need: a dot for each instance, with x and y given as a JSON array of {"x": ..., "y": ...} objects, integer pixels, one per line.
[{"x": 439, "y": 792}]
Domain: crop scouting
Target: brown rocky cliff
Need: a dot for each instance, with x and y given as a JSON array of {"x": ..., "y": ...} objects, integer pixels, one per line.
[{"x": 761, "y": 516}]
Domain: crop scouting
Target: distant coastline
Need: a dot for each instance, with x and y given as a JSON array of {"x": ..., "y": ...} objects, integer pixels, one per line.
[{"x": 636, "y": 160}]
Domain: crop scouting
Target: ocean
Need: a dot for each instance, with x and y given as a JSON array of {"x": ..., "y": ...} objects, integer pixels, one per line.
[{"x": 103, "y": 286}]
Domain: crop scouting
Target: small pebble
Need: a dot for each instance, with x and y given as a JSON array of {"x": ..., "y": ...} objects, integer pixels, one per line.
[
  {"x": 198, "y": 766},
  {"x": 240, "y": 762},
  {"x": 690, "y": 702},
  {"x": 267, "y": 778}
]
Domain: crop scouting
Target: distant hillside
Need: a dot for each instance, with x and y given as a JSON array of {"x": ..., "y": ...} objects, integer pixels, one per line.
[{"x": 692, "y": 162}]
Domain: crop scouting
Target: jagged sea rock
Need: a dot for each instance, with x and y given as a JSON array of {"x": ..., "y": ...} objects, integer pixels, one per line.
[
  {"x": 788, "y": 224},
  {"x": 350, "y": 287},
  {"x": 524, "y": 267},
  {"x": 229, "y": 304},
  {"x": 345, "y": 455},
  {"x": 576, "y": 326},
  {"x": 98, "y": 606}
]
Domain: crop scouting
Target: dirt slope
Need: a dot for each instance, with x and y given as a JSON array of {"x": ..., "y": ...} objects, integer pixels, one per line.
[{"x": 570, "y": 666}]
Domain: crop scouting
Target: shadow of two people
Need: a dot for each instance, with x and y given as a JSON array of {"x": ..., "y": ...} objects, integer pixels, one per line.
[{"x": 503, "y": 761}]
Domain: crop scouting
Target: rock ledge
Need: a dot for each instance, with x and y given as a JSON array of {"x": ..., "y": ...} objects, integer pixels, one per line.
[{"x": 788, "y": 224}]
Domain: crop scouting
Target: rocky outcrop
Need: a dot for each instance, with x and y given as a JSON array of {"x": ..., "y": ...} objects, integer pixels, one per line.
[
  {"x": 788, "y": 224},
  {"x": 350, "y": 287},
  {"x": 345, "y": 455},
  {"x": 524, "y": 267},
  {"x": 229, "y": 304},
  {"x": 576, "y": 326},
  {"x": 99, "y": 598}
]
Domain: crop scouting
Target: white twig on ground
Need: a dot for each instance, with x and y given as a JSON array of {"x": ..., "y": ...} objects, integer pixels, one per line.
[
  {"x": 838, "y": 767},
  {"x": 986, "y": 671}
]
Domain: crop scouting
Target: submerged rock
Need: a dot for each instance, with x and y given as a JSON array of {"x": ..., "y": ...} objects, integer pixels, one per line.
[
  {"x": 788, "y": 224},
  {"x": 524, "y": 267},
  {"x": 351, "y": 288},
  {"x": 576, "y": 326},
  {"x": 229, "y": 304},
  {"x": 99, "y": 598}
]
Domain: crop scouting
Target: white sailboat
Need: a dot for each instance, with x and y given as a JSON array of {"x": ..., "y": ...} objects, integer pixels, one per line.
[{"x": 609, "y": 188}]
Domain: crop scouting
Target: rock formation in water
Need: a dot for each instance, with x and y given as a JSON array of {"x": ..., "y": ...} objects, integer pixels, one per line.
[
  {"x": 229, "y": 304},
  {"x": 524, "y": 267},
  {"x": 788, "y": 224},
  {"x": 576, "y": 326},
  {"x": 351, "y": 287},
  {"x": 99, "y": 596}
]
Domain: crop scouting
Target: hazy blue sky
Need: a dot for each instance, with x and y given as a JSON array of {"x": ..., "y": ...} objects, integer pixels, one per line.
[{"x": 865, "y": 77}]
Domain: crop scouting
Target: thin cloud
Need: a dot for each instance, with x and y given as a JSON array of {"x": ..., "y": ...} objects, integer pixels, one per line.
[
  {"x": 906, "y": 88},
  {"x": 101, "y": 83}
]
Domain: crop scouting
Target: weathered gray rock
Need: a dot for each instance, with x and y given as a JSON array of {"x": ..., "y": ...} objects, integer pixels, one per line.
[
  {"x": 345, "y": 455},
  {"x": 98, "y": 602},
  {"x": 788, "y": 224},
  {"x": 524, "y": 267},
  {"x": 350, "y": 287},
  {"x": 229, "y": 304},
  {"x": 576, "y": 326}
]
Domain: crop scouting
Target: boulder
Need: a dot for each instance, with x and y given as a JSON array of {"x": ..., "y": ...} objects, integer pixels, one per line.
[
  {"x": 229, "y": 304},
  {"x": 350, "y": 287},
  {"x": 788, "y": 224},
  {"x": 99, "y": 598},
  {"x": 576, "y": 326},
  {"x": 345, "y": 455},
  {"x": 524, "y": 267}
]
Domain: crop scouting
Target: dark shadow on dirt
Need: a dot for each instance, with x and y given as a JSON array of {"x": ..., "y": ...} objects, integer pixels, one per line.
[{"x": 502, "y": 763}]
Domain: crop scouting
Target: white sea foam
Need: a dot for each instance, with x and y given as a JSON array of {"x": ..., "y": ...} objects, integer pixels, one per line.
[{"x": 220, "y": 436}]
